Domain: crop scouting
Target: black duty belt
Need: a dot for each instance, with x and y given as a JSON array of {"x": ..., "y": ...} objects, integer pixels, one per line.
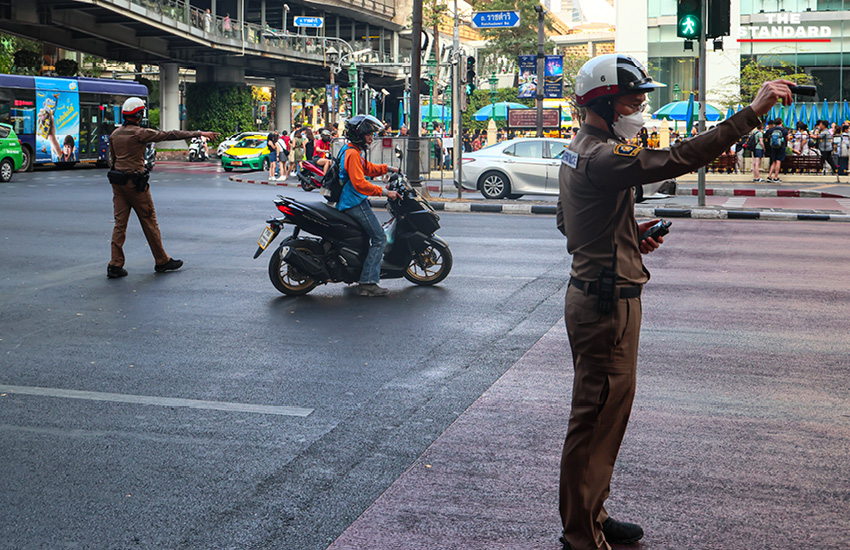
[{"x": 590, "y": 287}]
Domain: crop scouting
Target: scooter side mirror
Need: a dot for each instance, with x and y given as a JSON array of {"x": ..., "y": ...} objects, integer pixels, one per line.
[{"x": 398, "y": 152}]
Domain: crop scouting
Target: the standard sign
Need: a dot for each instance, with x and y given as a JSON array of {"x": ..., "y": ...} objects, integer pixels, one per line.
[
  {"x": 316, "y": 22},
  {"x": 495, "y": 19}
]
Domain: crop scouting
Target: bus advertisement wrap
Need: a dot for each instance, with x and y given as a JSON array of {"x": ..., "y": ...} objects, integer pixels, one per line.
[{"x": 58, "y": 123}]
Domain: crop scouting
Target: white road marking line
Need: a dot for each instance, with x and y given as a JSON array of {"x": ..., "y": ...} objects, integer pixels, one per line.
[
  {"x": 735, "y": 202},
  {"x": 844, "y": 203},
  {"x": 153, "y": 400}
]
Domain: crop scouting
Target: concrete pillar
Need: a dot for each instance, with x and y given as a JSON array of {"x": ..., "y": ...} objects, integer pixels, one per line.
[
  {"x": 283, "y": 103},
  {"x": 263, "y": 14},
  {"x": 169, "y": 96},
  {"x": 396, "y": 58},
  {"x": 631, "y": 35}
]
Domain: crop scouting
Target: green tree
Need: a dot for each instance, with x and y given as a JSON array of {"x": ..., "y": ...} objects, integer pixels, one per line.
[
  {"x": 504, "y": 45},
  {"x": 9, "y": 45},
  {"x": 219, "y": 107},
  {"x": 753, "y": 75}
]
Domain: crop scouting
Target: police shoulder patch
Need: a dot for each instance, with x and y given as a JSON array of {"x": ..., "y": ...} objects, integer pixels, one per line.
[
  {"x": 626, "y": 150},
  {"x": 570, "y": 158}
]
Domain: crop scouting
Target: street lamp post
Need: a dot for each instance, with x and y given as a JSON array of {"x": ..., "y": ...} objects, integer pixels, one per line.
[
  {"x": 333, "y": 56},
  {"x": 352, "y": 79},
  {"x": 431, "y": 76}
]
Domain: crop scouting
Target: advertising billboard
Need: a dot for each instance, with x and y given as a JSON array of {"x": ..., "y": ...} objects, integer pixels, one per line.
[{"x": 57, "y": 102}]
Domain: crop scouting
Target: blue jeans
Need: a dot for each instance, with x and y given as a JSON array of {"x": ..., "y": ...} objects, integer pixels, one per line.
[{"x": 371, "y": 272}]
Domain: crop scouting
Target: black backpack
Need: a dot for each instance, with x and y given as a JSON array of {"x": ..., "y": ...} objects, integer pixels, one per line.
[
  {"x": 331, "y": 184},
  {"x": 751, "y": 143}
]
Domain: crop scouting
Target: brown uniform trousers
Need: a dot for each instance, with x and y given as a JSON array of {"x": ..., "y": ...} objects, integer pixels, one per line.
[
  {"x": 126, "y": 198},
  {"x": 127, "y": 154},
  {"x": 596, "y": 214}
]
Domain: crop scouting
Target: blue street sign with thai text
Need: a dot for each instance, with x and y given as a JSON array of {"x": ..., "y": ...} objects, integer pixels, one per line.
[
  {"x": 316, "y": 22},
  {"x": 495, "y": 19}
]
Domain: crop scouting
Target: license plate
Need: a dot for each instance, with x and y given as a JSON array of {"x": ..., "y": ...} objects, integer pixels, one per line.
[
  {"x": 236, "y": 163},
  {"x": 266, "y": 237}
]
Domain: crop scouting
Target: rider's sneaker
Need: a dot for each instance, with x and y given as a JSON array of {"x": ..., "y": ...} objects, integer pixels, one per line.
[
  {"x": 371, "y": 289},
  {"x": 115, "y": 271},
  {"x": 170, "y": 265}
]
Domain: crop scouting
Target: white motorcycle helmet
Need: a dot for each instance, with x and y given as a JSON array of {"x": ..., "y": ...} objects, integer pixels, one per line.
[
  {"x": 611, "y": 75},
  {"x": 133, "y": 106}
]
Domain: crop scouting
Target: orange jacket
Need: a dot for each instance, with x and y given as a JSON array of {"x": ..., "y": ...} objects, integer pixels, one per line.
[{"x": 358, "y": 169}]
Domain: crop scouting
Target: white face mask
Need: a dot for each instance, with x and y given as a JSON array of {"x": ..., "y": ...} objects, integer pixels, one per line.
[{"x": 627, "y": 127}]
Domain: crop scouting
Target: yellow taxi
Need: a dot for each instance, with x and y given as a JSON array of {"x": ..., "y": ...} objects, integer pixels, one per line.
[{"x": 250, "y": 152}]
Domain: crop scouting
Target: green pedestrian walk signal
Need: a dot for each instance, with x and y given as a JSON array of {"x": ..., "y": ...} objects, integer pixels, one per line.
[{"x": 689, "y": 16}]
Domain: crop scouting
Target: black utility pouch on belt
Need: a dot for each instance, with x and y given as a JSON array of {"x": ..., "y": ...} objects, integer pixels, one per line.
[
  {"x": 117, "y": 178},
  {"x": 606, "y": 287},
  {"x": 140, "y": 180}
]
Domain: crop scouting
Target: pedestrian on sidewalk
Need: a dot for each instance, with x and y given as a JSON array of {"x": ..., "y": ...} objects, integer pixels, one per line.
[
  {"x": 130, "y": 188},
  {"x": 825, "y": 145},
  {"x": 271, "y": 144},
  {"x": 603, "y": 305},
  {"x": 777, "y": 140},
  {"x": 758, "y": 151}
]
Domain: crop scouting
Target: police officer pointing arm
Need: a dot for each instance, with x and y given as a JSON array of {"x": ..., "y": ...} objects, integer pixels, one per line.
[
  {"x": 603, "y": 308},
  {"x": 130, "y": 189}
]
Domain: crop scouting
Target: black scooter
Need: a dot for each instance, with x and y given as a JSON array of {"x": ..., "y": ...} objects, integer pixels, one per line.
[{"x": 336, "y": 253}]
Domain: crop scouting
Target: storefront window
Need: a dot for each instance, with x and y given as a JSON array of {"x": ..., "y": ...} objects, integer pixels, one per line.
[{"x": 679, "y": 73}]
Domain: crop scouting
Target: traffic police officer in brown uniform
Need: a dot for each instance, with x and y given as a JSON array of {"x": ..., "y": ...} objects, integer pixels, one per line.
[
  {"x": 130, "y": 189},
  {"x": 603, "y": 307}
]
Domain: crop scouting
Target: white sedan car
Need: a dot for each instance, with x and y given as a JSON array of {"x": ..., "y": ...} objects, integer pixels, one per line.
[
  {"x": 522, "y": 166},
  {"x": 231, "y": 141}
]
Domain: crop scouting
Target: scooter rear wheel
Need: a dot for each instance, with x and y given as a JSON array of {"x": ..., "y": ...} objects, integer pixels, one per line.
[
  {"x": 286, "y": 278},
  {"x": 430, "y": 266}
]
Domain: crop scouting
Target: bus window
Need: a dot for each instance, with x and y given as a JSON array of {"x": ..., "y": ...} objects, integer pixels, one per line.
[{"x": 17, "y": 108}]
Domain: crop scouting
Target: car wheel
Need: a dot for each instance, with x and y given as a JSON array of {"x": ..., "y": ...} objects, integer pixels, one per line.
[
  {"x": 266, "y": 164},
  {"x": 27, "y": 164},
  {"x": 494, "y": 185},
  {"x": 515, "y": 196},
  {"x": 6, "y": 170}
]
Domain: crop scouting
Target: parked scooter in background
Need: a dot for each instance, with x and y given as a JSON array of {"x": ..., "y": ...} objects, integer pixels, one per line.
[
  {"x": 197, "y": 150},
  {"x": 150, "y": 156}
]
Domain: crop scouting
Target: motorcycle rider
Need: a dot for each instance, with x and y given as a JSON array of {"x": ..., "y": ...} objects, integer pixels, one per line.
[
  {"x": 322, "y": 151},
  {"x": 353, "y": 170},
  {"x": 130, "y": 189}
]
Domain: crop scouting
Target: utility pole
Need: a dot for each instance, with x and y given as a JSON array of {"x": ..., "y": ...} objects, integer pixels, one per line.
[
  {"x": 541, "y": 58},
  {"x": 701, "y": 91},
  {"x": 415, "y": 75},
  {"x": 457, "y": 111}
]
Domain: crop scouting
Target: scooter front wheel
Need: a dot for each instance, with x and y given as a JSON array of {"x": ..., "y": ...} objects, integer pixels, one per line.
[
  {"x": 286, "y": 278},
  {"x": 430, "y": 266}
]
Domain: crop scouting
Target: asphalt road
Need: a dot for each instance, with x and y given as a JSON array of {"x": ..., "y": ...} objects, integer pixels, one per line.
[
  {"x": 105, "y": 468},
  {"x": 743, "y": 325}
]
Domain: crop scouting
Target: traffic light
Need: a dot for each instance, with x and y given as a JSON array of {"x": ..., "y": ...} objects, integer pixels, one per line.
[
  {"x": 470, "y": 75},
  {"x": 689, "y": 19},
  {"x": 718, "y": 23}
]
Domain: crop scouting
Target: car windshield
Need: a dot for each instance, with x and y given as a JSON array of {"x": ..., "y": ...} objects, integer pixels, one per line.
[
  {"x": 252, "y": 143},
  {"x": 4, "y": 131},
  {"x": 556, "y": 149}
]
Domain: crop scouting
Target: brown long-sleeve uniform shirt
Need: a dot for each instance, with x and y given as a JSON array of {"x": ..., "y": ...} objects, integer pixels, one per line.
[
  {"x": 127, "y": 145},
  {"x": 596, "y": 203}
]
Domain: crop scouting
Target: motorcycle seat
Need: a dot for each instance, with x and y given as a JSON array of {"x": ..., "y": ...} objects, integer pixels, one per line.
[{"x": 333, "y": 214}]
